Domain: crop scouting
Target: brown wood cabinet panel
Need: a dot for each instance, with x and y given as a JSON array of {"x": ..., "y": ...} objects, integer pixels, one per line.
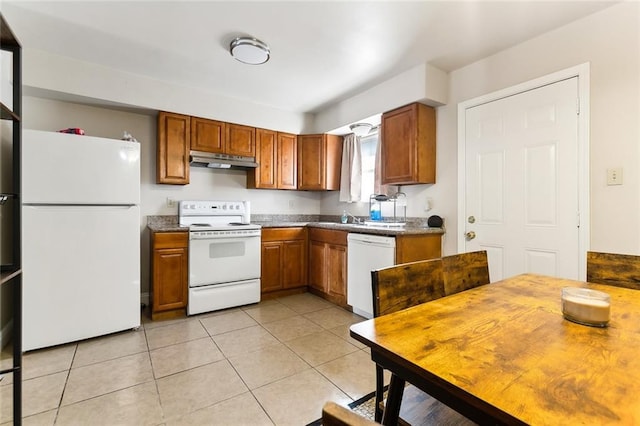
[
  {"x": 328, "y": 264},
  {"x": 265, "y": 175},
  {"x": 287, "y": 161},
  {"x": 319, "y": 162},
  {"x": 333, "y": 163},
  {"x": 408, "y": 145},
  {"x": 411, "y": 248},
  {"x": 311, "y": 162},
  {"x": 317, "y": 266},
  {"x": 172, "y": 163},
  {"x": 284, "y": 259},
  {"x": 169, "y": 265},
  {"x": 337, "y": 272},
  {"x": 241, "y": 140},
  {"x": 294, "y": 266},
  {"x": 284, "y": 234},
  {"x": 207, "y": 135},
  {"x": 271, "y": 267},
  {"x": 328, "y": 236}
]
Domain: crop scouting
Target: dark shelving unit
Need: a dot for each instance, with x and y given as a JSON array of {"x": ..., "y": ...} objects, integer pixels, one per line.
[{"x": 11, "y": 274}]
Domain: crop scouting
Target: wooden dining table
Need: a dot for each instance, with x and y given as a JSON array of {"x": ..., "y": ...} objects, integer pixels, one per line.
[{"x": 502, "y": 353}]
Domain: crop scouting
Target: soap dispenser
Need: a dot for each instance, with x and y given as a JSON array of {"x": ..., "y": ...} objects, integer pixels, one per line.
[{"x": 344, "y": 217}]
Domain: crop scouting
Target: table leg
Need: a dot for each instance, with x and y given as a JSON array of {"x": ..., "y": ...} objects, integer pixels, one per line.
[{"x": 394, "y": 399}]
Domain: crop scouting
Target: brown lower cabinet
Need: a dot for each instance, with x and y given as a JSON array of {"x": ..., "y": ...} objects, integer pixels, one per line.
[
  {"x": 169, "y": 274},
  {"x": 284, "y": 261},
  {"x": 286, "y": 268},
  {"x": 328, "y": 264}
]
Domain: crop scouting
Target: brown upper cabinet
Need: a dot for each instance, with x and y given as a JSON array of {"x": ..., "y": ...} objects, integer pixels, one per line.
[
  {"x": 276, "y": 154},
  {"x": 408, "y": 145},
  {"x": 172, "y": 165},
  {"x": 241, "y": 140},
  {"x": 207, "y": 135},
  {"x": 178, "y": 134},
  {"x": 319, "y": 162}
]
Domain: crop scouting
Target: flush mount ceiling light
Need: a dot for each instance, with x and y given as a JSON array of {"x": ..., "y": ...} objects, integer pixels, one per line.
[
  {"x": 249, "y": 50},
  {"x": 361, "y": 129}
]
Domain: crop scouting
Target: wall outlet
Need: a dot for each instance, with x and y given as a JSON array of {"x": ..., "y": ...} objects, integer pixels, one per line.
[
  {"x": 292, "y": 204},
  {"x": 429, "y": 204},
  {"x": 614, "y": 176},
  {"x": 171, "y": 202}
]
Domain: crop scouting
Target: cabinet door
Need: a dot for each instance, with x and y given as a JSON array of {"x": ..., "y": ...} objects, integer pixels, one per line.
[
  {"x": 317, "y": 266},
  {"x": 294, "y": 264},
  {"x": 333, "y": 162},
  {"x": 337, "y": 271},
  {"x": 408, "y": 145},
  {"x": 207, "y": 135},
  {"x": 264, "y": 176},
  {"x": 287, "y": 161},
  {"x": 170, "y": 265},
  {"x": 172, "y": 162},
  {"x": 271, "y": 266},
  {"x": 311, "y": 162},
  {"x": 170, "y": 275},
  {"x": 241, "y": 140}
]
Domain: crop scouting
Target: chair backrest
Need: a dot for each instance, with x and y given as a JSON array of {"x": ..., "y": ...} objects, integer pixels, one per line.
[
  {"x": 620, "y": 270},
  {"x": 464, "y": 271},
  {"x": 405, "y": 285}
]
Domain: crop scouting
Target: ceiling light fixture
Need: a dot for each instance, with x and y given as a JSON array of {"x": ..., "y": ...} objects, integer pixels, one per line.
[
  {"x": 360, "y": 129},
  {"x": 249, "y": 50}
]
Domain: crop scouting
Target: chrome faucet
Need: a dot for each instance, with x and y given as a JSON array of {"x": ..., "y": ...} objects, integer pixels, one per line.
[{"x": 355, "y": 219}]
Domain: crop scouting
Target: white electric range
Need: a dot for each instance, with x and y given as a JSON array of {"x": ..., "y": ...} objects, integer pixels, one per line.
[{"x": 224, "y": 254}]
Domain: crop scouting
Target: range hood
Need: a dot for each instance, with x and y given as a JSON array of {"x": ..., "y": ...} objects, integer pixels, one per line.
[{"x": 221, "y": 161}]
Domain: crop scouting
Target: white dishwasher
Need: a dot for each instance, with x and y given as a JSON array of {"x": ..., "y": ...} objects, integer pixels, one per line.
[{"x": 365, "y": 253}]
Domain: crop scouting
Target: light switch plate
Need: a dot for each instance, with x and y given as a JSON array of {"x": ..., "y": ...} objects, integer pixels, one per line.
[{"x": 614, "y": 176}]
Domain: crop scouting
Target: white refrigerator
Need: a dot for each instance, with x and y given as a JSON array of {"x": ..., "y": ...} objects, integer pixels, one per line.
[{"x": 80, "y": 237}]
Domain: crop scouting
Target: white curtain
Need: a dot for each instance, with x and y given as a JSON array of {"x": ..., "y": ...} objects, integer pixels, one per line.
[
  {"x": 351, "y": 172},
  {"x": 378, "y": 187}
]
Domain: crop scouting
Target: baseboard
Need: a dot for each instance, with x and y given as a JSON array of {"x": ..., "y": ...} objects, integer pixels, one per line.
[
  {"x": 5, "y": 333},
  {"x": 144, "y": 299}
]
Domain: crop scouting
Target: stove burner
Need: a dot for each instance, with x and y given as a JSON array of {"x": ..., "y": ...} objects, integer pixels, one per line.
[
  {"x": 238, "y": 224},
  {"x": 200, "y": 224}
]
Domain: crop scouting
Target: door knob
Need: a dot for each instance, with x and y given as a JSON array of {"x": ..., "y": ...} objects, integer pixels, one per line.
[{"x": 470, "y": 235}]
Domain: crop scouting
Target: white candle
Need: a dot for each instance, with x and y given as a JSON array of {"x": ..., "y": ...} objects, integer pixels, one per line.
[{"x": 586, "y": 306}]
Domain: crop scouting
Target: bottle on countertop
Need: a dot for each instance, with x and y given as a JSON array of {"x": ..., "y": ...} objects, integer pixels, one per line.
[{"x": 344, "y": 218}]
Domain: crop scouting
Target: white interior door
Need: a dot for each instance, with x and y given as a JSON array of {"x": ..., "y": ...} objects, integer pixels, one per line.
[{"x": 521, "y": 187}]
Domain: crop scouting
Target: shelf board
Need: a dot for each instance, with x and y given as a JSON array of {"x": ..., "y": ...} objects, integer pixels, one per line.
[
  {"x": 6, "y": 35},
  {"x": 7, "y": 114},
  {"x": 6, "y": 276}
]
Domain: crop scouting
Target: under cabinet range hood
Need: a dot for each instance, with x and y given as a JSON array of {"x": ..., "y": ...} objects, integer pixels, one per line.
[{"x": 221, "y": 161}]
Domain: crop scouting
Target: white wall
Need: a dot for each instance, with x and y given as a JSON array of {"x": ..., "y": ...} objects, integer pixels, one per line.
[
  {"x": 51, "y": 72},
  {"x": 610, "y": 42}
]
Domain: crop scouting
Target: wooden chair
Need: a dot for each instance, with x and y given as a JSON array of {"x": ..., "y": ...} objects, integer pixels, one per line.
[
  {"x": 399, "y": 287},
  {"x": 464, "y": 271},
  {"x": 337, "y": 415},
  {"x": 620, "y": 270}
]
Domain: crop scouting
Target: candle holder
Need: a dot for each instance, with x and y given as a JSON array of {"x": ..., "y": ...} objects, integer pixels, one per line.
[{"x": 585, "y": 306}]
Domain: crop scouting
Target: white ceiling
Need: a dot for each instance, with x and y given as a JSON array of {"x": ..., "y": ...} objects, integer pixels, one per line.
[{"x": 321, "y": 51}]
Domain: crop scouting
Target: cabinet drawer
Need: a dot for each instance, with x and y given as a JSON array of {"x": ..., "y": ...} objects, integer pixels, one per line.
[
  {"x": 328, "y": 236},
  {"x": 283, "y": 234},
  {"x": 170, "y": 239}
]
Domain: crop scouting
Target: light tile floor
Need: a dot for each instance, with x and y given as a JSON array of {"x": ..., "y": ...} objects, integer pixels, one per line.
[{"x": 275, "y": 362}]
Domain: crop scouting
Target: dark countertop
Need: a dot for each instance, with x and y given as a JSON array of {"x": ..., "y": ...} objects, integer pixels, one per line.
[
  {"x": 408, "y": 229},
  {"x": 170, "y": 224}
]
